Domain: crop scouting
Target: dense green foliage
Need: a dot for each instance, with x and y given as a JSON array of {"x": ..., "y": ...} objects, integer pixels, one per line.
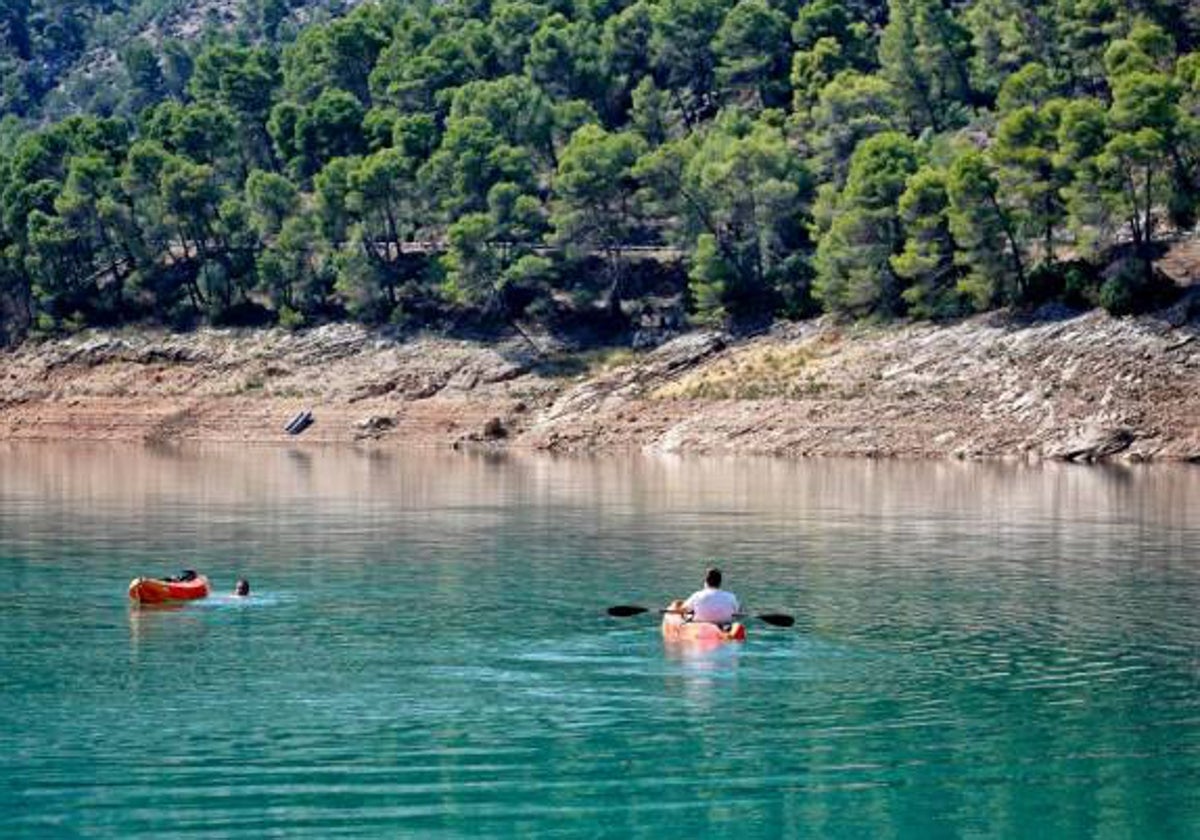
[{"x": 422, "y": 163}]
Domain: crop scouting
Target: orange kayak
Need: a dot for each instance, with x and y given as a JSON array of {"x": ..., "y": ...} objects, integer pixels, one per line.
[
  {"x": 155, "y": 591},
  {"x": 676, "y": 629}
]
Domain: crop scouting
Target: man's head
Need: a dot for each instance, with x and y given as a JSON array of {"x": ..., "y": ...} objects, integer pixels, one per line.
[
  {"x": 712, "y": 578},
  {"x": 242, "y": 587}
]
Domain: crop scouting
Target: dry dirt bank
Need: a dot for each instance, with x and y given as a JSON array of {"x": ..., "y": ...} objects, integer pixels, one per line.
[{"x": 1083, "y": 388}]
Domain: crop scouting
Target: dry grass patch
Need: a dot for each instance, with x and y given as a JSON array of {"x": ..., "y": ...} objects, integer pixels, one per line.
[
  {"x": 750, "y": 373},
  {"x": 585, "y": 364}
]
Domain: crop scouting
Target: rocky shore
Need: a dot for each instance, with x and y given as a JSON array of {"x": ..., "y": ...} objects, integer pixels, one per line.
[{"x": 1081, "y": 387}]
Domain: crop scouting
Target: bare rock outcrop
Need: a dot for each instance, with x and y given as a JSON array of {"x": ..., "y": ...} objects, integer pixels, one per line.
[
  {"x": 1075, "y": 387},
  {"x": 1095, "y": 442}
]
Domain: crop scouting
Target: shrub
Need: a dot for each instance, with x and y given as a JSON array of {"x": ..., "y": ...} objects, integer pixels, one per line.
[
  {"x": 290, "y": 319},
  {"x": 1129, "y": 290},
  {"x": 1074, "y": 283}
]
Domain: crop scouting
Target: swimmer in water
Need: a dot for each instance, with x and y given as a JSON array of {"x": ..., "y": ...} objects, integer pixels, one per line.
[{"x": 241, "y": 588}]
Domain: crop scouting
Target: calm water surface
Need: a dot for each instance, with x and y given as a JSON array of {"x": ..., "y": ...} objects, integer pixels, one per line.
[{"x": 980, "y": 651}]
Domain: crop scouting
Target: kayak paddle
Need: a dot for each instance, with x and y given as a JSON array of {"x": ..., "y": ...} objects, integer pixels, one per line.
[
  {"x": 626, "y": 610},
  {"x": 775, "y": 619}
]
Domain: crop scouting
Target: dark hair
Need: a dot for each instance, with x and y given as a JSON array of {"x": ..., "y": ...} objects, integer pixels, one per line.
[
  {"x": 713, "y": 578},
  {"x": 242, "y": 587}
]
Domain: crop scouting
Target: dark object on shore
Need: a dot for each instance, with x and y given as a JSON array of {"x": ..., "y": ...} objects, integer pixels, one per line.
[
  {"x": 241, "y": 588},
  {"x": 299, "y": 423},
  {"x": 494, "y": 429}
]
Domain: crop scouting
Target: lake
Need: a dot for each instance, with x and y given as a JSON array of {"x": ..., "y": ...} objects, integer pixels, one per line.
[{"x": 981, "y": 650}]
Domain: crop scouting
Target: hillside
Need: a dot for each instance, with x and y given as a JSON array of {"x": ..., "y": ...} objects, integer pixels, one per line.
[
  {"x": 65, "y": 57},
  {"x": 585, "y": 167}
]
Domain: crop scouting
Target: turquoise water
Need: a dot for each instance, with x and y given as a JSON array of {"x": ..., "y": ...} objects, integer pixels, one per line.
[{"x": 980, "y": 650}]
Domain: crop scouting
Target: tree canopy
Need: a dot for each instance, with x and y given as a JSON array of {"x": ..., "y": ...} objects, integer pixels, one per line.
[{"x": 440, "y": 162}]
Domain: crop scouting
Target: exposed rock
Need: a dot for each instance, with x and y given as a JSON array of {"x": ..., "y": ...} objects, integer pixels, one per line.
[
  {"x": 494, "y": 429},
  {"x": 375, "y": 423},
  {"x": 374, "y": 389},
  {"x": 631, "y": 381},
  {"x": 425, "y": 388},
  {"x": 1093, "y": 443},
  {"x": 484, "y": 369},
  {"x": 1076, "y": 387},
  {"x": 464, "y": 379},
  {"x": 493, "y": 433},
  {"x": 373, "y": 427}
]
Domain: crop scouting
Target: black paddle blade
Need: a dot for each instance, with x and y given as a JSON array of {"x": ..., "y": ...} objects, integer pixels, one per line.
[
  {"x": 626, "y": 610},
  {"x": 777, "y": 619}
]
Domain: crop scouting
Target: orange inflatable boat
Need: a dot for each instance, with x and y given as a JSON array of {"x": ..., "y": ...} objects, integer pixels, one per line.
[
  {"x": 156, "y": 591},
  {"x": 676, "y": 628}
]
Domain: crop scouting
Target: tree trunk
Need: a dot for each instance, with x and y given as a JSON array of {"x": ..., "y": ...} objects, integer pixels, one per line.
[
  {"x": 1013, "y": 246},
  {"x": 616, "y": 285},
  {"x": 1148, "y": 229}
]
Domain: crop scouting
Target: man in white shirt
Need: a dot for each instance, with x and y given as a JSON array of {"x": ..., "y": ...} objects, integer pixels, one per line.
[{"x": 712, "y": 604}]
